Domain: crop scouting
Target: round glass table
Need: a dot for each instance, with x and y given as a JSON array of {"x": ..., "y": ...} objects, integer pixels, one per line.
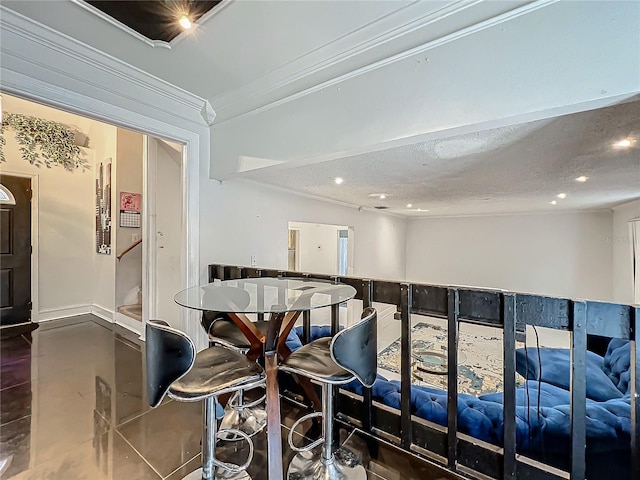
[
  {"x": 431, "y": 366},
  {"x": 283, "y": 299},
  {"x": 265, "y": 295}
]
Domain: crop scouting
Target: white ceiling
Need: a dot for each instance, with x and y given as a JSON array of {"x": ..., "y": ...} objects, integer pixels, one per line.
[
  {"x": 249, "y": 52},
  {"x": 514, "y": 169},
  {"x": 338, "y": 82}
]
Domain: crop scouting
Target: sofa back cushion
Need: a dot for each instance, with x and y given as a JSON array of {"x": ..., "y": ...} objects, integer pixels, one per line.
[{"x": 556, "y": 370}]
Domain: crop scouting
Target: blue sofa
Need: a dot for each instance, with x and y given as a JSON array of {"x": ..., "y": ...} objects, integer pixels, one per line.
[{"x": 543, "y": 427}]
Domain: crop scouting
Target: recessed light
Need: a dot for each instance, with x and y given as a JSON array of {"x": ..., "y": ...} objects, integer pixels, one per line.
[
  {"x": 562, "y": 195},
  {"x": 185, "y": 22},
  {"x": 553, "y": 202},
  {"x": 409, "y": 205},
  {"x": 382, "y": 196},
  {"x": 624, "y": 143},
  {"x": 582, "y": 179},
  {"x": 339, "y": 180}
]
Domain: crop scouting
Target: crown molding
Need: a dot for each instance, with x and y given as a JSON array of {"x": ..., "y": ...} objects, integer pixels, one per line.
[
  {"x": 74, "y": 58},
  {"x": 147, "y": 41},
  {"x": 351, "y": 55},
  {"x": 572, "y": 211}
]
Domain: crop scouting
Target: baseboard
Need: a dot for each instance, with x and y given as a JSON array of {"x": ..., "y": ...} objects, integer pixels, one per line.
[
  {"x": 103, "y": 313},
  {"x": 128, "y": 323},
  {"x": 55, "y": 313}
]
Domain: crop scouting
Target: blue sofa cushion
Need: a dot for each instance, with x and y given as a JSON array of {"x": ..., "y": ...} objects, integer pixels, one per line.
[
  {"x": 544, "y": 428},
  {"x": 527, "y": 395},
  {"x": 556, "y": 370},
  {"x": 617, "y": 363}
]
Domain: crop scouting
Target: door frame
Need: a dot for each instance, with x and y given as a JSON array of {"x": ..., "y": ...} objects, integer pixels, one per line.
[
  {"x": 35, "y": 306},
  {"x": 45, "y": 66}
]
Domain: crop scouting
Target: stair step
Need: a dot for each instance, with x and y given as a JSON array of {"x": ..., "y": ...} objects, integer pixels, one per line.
[{"x": 133, "y": 311}]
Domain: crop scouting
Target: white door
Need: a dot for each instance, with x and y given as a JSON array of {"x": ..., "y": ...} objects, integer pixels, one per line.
[{"x": 165, "y": 224}]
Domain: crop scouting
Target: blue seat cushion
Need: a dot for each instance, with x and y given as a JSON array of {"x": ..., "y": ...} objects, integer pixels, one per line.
[
  {"x": 556, "y": 370},
  {"x": 527, "y": 395},
  {"x": 617, "y": 364}
]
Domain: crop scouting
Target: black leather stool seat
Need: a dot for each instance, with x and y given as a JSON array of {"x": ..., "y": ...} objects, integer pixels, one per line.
[
  {"x": 215, "y": 369},
  {"x": 228, "y": 332},
  {"x": 314, "y": 360}
]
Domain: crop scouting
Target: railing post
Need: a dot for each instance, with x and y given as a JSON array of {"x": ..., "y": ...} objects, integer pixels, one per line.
[
  {"x": 405, "y": 365},
  {"x": 453, "y": 314},
  {"x": 578, "y": 325},
  {"x": 635, "y": 391},
  {"x": 367, "y": 417},
  {"x": 508, "y": 314}
]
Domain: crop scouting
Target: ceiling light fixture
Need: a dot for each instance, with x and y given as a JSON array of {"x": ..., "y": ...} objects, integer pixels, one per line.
[
  {"x": 562, "y": 195},
  {"x": 185, "y": 22},
  {"x": 339, "y": 180},
  {"x": 382, "y": 196},
  {"x": 409, "y": 205},
  {"x": 553, "y": 202},
  {"x": 582, "y": 179},
  {"x": 624, "y": 143}
]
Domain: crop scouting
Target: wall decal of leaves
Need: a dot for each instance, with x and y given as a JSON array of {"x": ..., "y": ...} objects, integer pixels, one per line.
[{"x": 43, "y": 142}]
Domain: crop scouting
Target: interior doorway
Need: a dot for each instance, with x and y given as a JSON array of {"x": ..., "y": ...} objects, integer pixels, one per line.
[
  {"x": 90, "y": 225},
  {"x": 320, "y": 248}
]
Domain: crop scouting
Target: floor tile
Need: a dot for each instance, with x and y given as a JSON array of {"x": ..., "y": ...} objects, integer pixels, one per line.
[
  {"x": 167, "y": 436},
  {"x": 181, "y": 472},
  {"x": 15, "y": 402},
  {"x": 15, "y": 362},
  {"x": 392, "y": 463},
  {"x": 106, "y": 457},
  {"x": 73, "y": 406}
]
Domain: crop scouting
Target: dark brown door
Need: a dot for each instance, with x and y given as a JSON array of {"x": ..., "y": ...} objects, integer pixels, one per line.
[{"x": 15, "y": 252}]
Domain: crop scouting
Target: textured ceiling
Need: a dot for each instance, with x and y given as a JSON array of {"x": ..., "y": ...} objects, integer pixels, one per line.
[{"x": 515, "y": 169}]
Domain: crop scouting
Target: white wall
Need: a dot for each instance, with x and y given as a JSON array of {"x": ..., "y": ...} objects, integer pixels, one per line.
[
  {"x": 621, "y": 244},
  {"x": 240, "y": 219},
  {"x": 66, "y": 215},
  {"x": 318, "y": 247},
  {"x": 564, "y": 255}
]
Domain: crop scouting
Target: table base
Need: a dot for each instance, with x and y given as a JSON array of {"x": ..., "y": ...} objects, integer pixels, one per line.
[
  {"x": 311, "y": 466},
  {"x": 219, "y": 475}
]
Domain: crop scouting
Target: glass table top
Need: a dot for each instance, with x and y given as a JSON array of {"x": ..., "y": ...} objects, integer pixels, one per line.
[
  {"x": 431, "y": 361},
  {"x": 265, "y": 295}
]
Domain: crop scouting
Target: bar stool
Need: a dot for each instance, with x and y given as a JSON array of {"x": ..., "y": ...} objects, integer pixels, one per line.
[
  {"x": 174, "y": 369},
  {"x": 352, "y": 353},
  {"x": 249, "y": 418}
]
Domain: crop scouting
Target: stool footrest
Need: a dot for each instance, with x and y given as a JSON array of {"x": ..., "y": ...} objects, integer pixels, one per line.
[
  {"x": 312, "y": 445},
  {"x": 231, "y": 466}
]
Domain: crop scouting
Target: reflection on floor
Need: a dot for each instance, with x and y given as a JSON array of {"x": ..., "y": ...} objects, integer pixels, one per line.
[{"x": 73, "y": 406}]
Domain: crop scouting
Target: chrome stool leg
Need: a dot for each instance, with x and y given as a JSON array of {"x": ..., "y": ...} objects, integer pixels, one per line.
[
  {"x": 212, "y": 468},
  {"x": 249, "y": 418},
  {"x": 341, "y": 464}
]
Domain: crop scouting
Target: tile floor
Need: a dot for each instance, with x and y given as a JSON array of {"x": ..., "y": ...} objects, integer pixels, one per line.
[{"x": 73, "y": 406}]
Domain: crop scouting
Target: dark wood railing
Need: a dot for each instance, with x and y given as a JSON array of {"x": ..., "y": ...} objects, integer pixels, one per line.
[{"x": 510, "y": 312}]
